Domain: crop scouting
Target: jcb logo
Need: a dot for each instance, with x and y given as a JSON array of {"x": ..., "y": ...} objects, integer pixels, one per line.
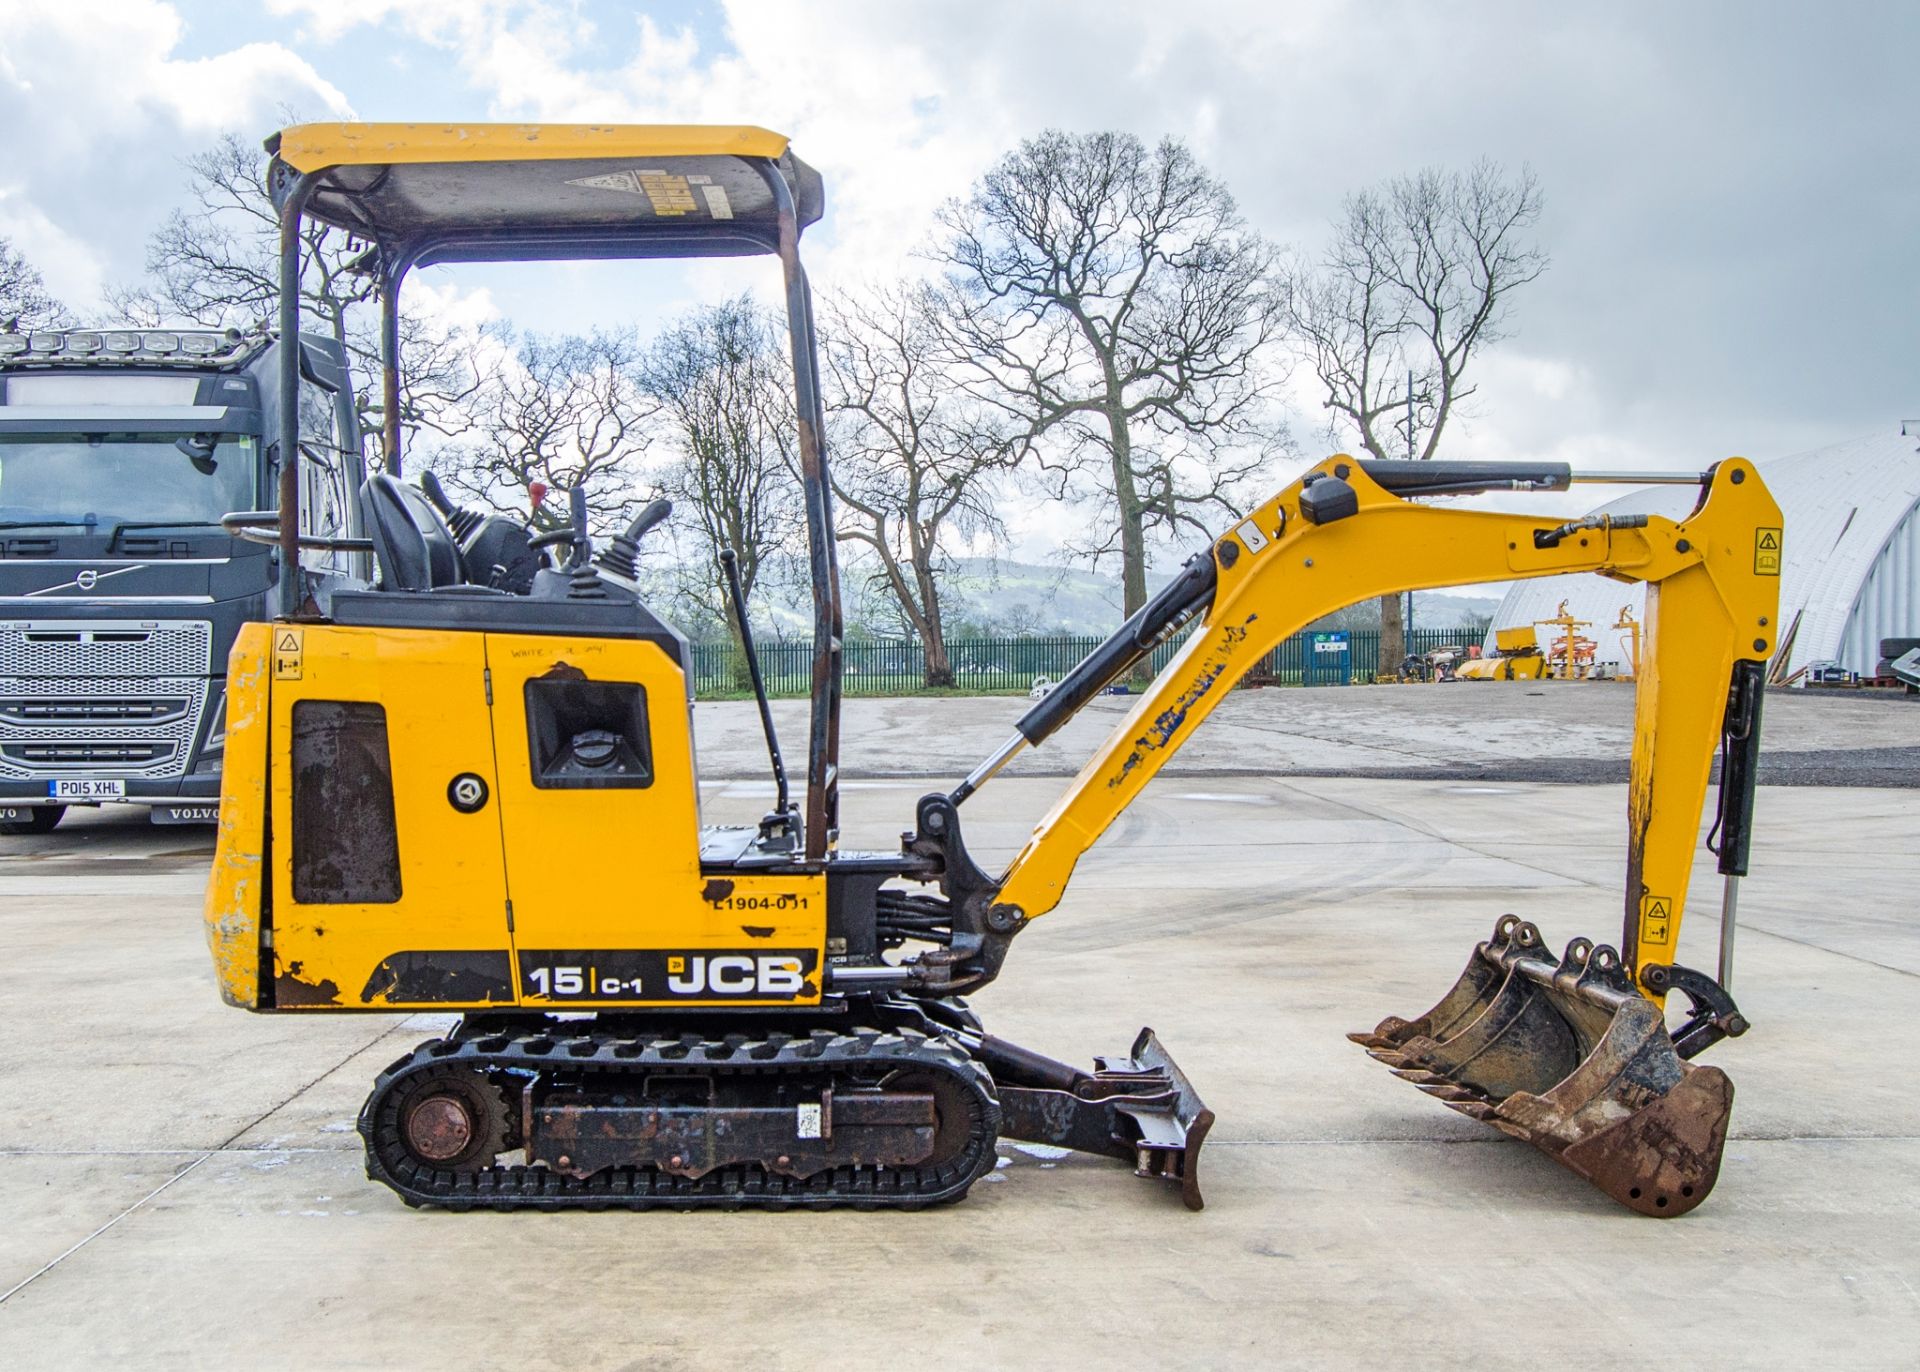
[{"x": 735, "y": 974}]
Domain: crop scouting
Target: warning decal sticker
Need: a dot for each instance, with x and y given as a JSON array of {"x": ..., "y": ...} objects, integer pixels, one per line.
[
  {"x": 1766, "y": 552},
  {"x": 667, "y": 192},
  {"x": 288, "y": 647},
  {"x": 1656, "y": 919}
]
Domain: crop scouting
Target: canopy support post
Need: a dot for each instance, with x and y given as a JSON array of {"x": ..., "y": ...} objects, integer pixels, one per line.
[{"x": 290, "y": 587}]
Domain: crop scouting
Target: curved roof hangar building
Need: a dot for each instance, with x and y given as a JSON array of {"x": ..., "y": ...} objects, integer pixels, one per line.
[{"x": 1851, "y": 576}]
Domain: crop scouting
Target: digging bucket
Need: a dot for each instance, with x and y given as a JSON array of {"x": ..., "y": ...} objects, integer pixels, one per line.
[{"x": 1567, "y": 1054}]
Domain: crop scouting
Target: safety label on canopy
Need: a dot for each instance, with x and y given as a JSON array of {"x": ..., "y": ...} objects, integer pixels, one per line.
[
  {"x": 1766, "y": 552},
  {"x": 1656, "y": 919},
  {"x": 668, "y": 193},
  {"x": 287, "y": 652}
]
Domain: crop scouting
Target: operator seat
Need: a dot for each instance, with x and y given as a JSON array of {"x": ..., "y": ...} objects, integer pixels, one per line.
[{"x": 411, "y": 542}]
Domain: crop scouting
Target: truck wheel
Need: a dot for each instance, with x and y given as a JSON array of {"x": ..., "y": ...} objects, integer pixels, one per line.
[{"x": 39, "y": 819}]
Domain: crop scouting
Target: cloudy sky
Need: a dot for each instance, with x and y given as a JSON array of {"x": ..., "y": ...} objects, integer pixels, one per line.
[{"x": 1732, "y": 189}]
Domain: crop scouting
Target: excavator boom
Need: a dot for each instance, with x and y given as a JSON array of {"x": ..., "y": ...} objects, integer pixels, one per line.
[
  {"x": 1280, "y": 569},
  {"x": 1571, "y": 1054}
]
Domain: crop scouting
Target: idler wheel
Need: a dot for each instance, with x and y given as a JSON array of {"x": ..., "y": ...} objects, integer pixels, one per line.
[{"x": 452, "y": 1118}]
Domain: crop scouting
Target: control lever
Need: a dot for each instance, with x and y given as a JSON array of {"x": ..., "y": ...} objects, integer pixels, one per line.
[
  {"x": 573, "y": 534},
  {"x": 782, "y": 816},
  {"x": 460, "y": 522},
  {"x": 577, "y": 518},
  {"x": 621, "y": 560}
]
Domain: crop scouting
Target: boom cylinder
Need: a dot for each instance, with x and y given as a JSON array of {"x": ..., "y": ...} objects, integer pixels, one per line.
[{"x": 1187, "y": 593}]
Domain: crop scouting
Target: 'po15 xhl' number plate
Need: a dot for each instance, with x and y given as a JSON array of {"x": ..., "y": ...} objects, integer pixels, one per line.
[{"x": 77, "y": 788}]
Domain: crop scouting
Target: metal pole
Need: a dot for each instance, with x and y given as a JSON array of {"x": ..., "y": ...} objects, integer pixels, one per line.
[
  {"x": 980, "y": 775},
  {"x": 823, "y": 735},
  {"x": 390, "y": 366},
  {"x": 290, "y": 593},
  {"x": 1729, "y": 905}
]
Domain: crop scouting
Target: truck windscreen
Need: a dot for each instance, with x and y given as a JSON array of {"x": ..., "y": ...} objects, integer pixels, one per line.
[{"x": 103, "y": 480}]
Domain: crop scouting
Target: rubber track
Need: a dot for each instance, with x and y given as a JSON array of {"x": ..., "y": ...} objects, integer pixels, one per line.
[{"x": 644, "y": 1188}]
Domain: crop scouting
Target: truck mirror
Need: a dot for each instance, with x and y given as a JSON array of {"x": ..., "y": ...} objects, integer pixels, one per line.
[{"x": 199, "y": 450}]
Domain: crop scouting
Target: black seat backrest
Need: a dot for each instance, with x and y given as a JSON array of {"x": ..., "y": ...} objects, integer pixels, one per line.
[{"x": 411, "y": 542}]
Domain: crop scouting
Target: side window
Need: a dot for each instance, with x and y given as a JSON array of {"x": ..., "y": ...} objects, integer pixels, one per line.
[
  {"x": 317, "y": 422},
  {"x": 346, "y": 848},
  {"x": 323, "y": 493},
  {"x": 588, "y": 735}
]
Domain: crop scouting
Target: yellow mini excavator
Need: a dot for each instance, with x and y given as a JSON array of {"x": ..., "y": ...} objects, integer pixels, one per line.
[{"x": 470, "y": 788}]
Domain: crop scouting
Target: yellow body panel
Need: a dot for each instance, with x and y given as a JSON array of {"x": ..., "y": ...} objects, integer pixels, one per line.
[
  {"x": 452, "y": 883},
  {"x": 311, "y": 147},
  {"x": 234, "y": 886},
  {"x": 505, "y": 893},
  {"x": 612, "y": 869},
  {"x": 1514, "y": 640},
  {"x": 1707, "y": 606}
]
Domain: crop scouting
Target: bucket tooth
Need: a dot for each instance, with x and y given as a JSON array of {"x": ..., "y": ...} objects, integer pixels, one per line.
[
  {"x": 1389, "y": 1031},
  {"x": 1568, "y": 1055}
]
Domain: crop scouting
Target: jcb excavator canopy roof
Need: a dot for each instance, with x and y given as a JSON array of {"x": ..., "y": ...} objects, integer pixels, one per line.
[{"x": 525, "y": 192}]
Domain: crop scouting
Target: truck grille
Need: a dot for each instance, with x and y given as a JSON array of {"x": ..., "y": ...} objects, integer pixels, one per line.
[
  {"x": 88, "y": 754},
  {"x": 105, "y": 647},
  {"x": 136, "y": 727},
  {"x": 68, "y": 710}
]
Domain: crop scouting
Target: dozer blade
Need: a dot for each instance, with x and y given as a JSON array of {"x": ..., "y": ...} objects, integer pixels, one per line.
[
  {"x": 1568, "y": 1054},
  {"x": 1140, "y": 1108}
]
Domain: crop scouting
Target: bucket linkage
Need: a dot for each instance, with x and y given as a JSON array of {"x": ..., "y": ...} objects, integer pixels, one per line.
[{"x": 1568, "y": 1055}]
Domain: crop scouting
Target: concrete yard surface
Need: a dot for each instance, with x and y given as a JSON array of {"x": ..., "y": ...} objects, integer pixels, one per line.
[
  {"x": 1521, "y": 731},
  {"x": 181, "y": 1184}
]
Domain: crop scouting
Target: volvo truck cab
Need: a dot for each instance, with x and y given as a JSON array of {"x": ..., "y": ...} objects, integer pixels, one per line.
[{"x": 120, "y": 590}]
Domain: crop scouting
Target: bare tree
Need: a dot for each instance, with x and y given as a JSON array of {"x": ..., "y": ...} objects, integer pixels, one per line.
[
  {"x": 1414, "y": 282},
  {"x": 217, "y": 264},
  {"x": 722, "y": 383},
  {"x": 915, "y": 456},
  {"x": 1114, "y": 300},
  {"x": 25, "y": 301},
  {"x": 561, "y": 413}
]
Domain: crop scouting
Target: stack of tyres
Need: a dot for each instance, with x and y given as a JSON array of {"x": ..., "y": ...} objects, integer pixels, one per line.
[{"x": 1567, "y": 1054}]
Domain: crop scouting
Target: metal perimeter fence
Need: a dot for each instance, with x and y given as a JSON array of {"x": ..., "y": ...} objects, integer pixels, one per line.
[{"x": 897, "y": 667}]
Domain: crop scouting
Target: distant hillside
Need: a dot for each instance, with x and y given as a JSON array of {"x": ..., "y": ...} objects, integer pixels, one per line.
[{"x": 999, "y": 596}]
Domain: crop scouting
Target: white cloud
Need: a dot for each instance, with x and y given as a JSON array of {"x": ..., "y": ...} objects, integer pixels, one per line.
[
  {"x": 103, "y": 109},
  {"x": 1730, "y": 250}
]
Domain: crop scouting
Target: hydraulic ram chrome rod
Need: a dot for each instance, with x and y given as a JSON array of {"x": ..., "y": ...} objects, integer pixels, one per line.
[{"x": 1641, "y": 478}]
